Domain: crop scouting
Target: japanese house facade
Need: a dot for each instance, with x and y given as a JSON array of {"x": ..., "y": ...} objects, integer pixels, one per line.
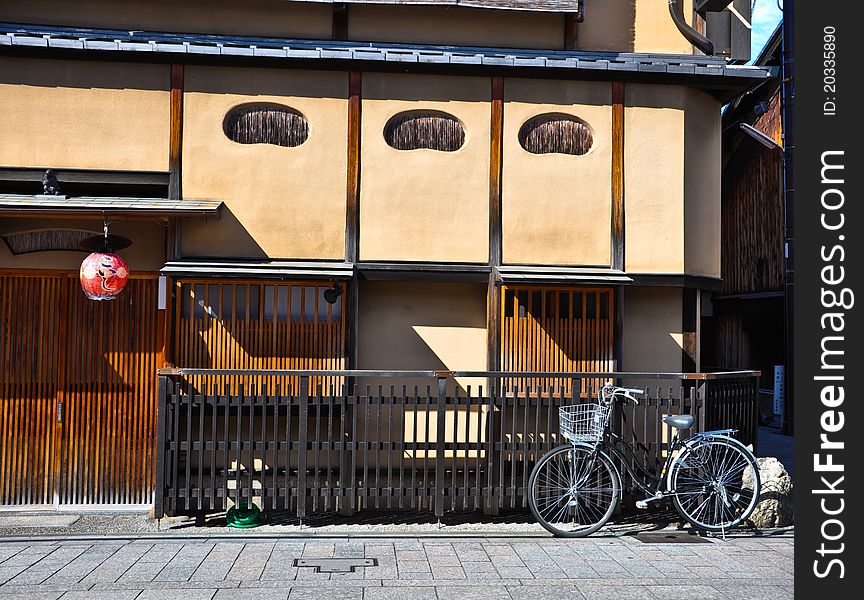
[{"x": 490, "y": 185}]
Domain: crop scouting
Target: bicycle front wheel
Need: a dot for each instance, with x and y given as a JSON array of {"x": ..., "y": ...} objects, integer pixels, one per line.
[
  {"x": 573, "y": 491},
  {"x": 715, "y": 483}
]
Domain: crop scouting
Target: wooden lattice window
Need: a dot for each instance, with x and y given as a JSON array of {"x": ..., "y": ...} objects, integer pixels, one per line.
[
  {"x": 557, "y": 329},
  {"x": 259, "y": 325}
]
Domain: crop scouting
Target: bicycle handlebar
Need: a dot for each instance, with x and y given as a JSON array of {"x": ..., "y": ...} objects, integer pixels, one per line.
[{"x": 611, "y": 391}]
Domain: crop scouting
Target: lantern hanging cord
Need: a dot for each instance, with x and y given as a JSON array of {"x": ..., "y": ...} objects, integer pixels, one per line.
[{"x": 105, "y": 233}]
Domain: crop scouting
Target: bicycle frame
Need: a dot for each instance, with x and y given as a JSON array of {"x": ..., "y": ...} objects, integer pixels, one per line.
[
  {"x": 651, "y": 483},
  {"x": 625, "y": 452}
]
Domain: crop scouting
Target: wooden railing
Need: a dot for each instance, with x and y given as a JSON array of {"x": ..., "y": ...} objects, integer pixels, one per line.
[{"x": 433, "y": 447}]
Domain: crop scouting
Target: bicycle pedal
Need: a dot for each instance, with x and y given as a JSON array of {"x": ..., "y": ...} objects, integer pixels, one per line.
[{"x": 641, "y": 504}]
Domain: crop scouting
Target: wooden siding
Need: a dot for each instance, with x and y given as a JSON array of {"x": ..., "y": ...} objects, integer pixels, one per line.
[
  {"x": 258, "y": 325},
  {"x": 752, "y": 210},
  {"x": 549, "y": 329},
  {"x": 752, "y": 221},
  {"x": 78, "y": 392}
]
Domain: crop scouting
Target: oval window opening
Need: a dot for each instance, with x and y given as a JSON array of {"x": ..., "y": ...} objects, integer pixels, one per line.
[
  {"x": 46, "y": 240},
  {"x": 266, "y": 124},
  {"x": 426, "y": 130},
  {"x": 556, "y": 133}
]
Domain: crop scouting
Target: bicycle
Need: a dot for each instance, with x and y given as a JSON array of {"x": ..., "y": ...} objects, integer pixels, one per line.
[{"x": 711, "y": 477}]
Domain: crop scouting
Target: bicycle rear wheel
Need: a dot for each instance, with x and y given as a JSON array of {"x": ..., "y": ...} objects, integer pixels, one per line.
[
  {"x": 573, "y": 491},
  {"x": 716, "y": 484}
]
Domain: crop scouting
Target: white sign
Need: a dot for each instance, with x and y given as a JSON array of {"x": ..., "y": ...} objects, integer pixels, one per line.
[{"x": 778, "y": 389}]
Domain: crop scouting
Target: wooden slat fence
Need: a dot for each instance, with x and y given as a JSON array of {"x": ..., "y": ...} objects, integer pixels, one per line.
[{"x": 426, "y": 448}]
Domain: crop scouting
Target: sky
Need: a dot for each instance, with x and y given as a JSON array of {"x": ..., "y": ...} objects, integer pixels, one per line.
[{"x": 766, "y": 16}]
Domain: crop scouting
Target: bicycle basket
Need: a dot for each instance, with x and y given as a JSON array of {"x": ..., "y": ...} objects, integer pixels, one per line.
[{"x": 583, "y": 422}]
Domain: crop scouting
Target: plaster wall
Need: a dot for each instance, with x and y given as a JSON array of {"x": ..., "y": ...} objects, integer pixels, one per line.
[
  {"x": 84, "y": 115},
  {"x": 456, "y": 26},
  {"x": 654, "y": 178},
  {"x": 424, "y": 205},
  {"x": 557, "y": 208},
  {"x": 632, "y": 26},
  {"x": 702, "y": 180},
  {"x": 250, "y": 17},
  {"x": 652, "y": 338},
  {"x": 280, "y": 202}
]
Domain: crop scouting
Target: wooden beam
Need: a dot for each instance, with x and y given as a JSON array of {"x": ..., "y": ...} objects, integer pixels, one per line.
[
  {"x": 340, "y": 21},
  {"x": 495, "y": 164},
  {"x": 493, "y": 320},
  {"x": 571, "y": 31},
  {"x": 176, "y": 133},
  {"x": 352, "y": 215},
  {"x": 352, "y": 225},
  {"x": 86, "y": 176},
  {"x": 618, "y": 176}
]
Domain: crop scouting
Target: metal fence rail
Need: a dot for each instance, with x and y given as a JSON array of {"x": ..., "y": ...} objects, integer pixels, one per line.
[{"x": 434, "y": 447}]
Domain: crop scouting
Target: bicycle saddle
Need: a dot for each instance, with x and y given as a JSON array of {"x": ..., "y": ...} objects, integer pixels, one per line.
[{"x": 679, "y": 421}]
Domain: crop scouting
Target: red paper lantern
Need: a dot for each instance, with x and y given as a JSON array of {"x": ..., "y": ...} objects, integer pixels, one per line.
[{"x": 103, "y": 276}]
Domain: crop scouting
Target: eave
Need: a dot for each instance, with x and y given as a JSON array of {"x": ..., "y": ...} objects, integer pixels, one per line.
[
  {"x": 709, "y": 74},
  {"x": 23, "y": 205}
]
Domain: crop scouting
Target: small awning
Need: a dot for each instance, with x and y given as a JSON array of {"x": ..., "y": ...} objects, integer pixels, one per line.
[
  {"x": 50, "y": 206},
  {"x": 561, "y": 275},
  {"x": 273, "y": 269}
]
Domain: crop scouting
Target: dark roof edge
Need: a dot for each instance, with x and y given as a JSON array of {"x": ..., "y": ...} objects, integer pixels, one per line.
[
  {"x": 711, "y": 72},
  {"x": 554, "y": 6}
]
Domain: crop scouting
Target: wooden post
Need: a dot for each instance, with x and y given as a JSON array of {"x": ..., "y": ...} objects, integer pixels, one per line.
[
  {"x": 66, "y": 285},
  {"x": 175, "y": 149},
  {"x": 340, "y": 21},
  {"x": 571, "y": 31},
  {"x": 493, "y": 321},
  {"x": 159, "y": 486},
  {"x": 618, "y": 176},
  {"x": 618, "y": 330},
  {"x": 175, "y": 159},
  {"x": 303, "y": 450},
  {"x": 439, "y": 445},
  {"x": 352, "y": 224},
  {"x": 689, "y": 317},
  {"x": 352, "y": 218}
]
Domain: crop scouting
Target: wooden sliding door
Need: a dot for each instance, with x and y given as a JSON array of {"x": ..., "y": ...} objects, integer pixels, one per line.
[
  {"x": 557, "y": 329},
  {"x": 77, "y": 392}
]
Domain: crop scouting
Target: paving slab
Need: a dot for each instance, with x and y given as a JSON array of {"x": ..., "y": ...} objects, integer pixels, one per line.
[
  {"x": 411, "y": 569},
  {"x": 41, "y": 521},
  {"x": 30, "y": 595},
  {"x": 177, "y": 593}
]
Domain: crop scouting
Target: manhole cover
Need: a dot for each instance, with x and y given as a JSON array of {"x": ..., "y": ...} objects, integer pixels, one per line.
[
  {"x": 335, "y": 565},
  {"x": 671, "y": 538}
]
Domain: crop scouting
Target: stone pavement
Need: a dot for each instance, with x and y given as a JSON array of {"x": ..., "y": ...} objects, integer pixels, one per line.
[{"x": 408, "y": 568}]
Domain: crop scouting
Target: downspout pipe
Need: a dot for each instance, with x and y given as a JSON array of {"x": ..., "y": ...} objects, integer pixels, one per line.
[
  {"x": 788, "y": 127},
  {"x": 693, "y": 36}
]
